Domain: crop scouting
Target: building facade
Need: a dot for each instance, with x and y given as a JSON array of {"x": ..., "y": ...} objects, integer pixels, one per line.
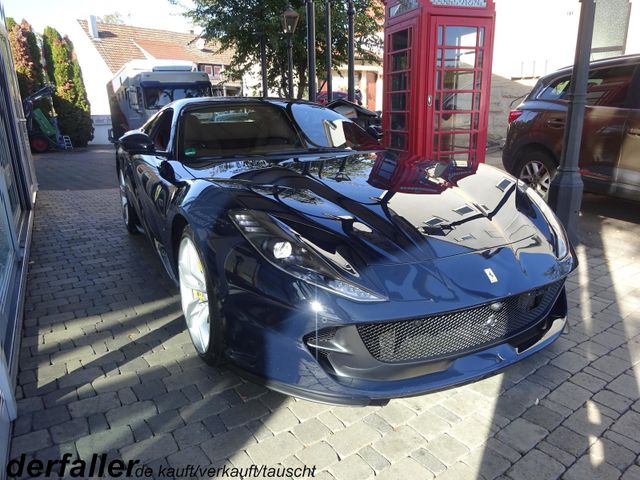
[{"x": 17, "y": 196}]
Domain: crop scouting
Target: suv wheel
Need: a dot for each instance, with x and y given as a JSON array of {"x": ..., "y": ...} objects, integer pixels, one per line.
[{"x": 536, "y": 168}]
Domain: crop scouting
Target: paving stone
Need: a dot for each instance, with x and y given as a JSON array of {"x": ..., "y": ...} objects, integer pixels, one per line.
[
  {"x": 625, "y": 385},
  {"x": 201, "y": 409},
  {"x": 189, "y": 456},
  {"x": 373, "y": 459},
  {"x": 488, "y": 463},
  {"x": 628, "y": 425},
  {"x": 306, "y": 410},
  {"x": 568, "y": 441},
  {"x": 429, "y": 425},
  {"x": 105, "y": 441},
  {"x": 352, "y": 467},
  {"x": 585, "y": 468},
  {"x": 311, "y": 431},
  {"x": 544, "y": 417},
  {"x": 570, "y": 361},
  {"x": 632, "y": 473},
  {"x": 274, "y": 449},
  {"x": 471, "y": 431},
  {"x": 192, "y": 434},
  {"x": 69, "y": 431},
  {"x": 28, "y": 405},
  {"x": 522, "y": 435},
  {"x": 224, "y": 445},
  {"x": 165, "y": 422},
  {"x": 405, "y": 468},
  {"x": 604, "y": 450},
  {"x": 153, "y": 448},
  {"x": 321, "y": 455},
  {"x": 588, "y": 420},
  {"x": 243, "y": 413},
  {"x": 348, "y": 441},
  {"x": 115, "y": 382},
  {"x": 170, "y": 401},
  {"x": 30, "y": 442},
  {"x": 377, "y": 422},
  {"x": 623, "y": 440},
  {"x": 570, "y": 395},
  {"x": 396, "y": 414},
  {"x": 589, "y": 382},
  {"x": 399, "y": 443},
  {"x": 98, "y": 404},
  {"x": 538, "y": 465},
  {"x": 49, "y": 417},
  {"x": 427, "y": 460},
  {"x": 282, "y": 420},
  {"x": 563, "y": 457},
  {"x": 351, "y": 415},
  {"x": 131, "y": 414},
  {"x": 447, "y": 449}
]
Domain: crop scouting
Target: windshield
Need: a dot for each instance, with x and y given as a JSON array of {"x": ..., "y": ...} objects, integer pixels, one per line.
[
  {"x": 241, "y": 129},
  {"x": 328, "y": 129},
  {"x": 157, "y": 97}
]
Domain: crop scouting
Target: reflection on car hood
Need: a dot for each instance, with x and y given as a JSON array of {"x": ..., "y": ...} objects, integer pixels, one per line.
[{"x": 382, "y": 208}]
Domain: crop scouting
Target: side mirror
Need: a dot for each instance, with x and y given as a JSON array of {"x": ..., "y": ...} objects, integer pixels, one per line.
[{"x": 137, "y": 143}]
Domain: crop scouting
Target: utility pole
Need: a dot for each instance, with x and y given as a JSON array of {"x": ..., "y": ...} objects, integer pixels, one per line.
[
  {"x": 311, "y": 48},
  {"x": 565, "y": 192},
  {"x": 328, "y": 58},
  {"x": 351, "y": 69}
]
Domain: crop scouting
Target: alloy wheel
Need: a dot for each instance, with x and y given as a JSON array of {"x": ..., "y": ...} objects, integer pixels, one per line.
[
  {"x": 193, "y": 293},
  {"x": 535, "y": 174}
]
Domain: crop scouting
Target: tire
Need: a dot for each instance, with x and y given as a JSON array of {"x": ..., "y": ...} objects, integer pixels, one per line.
[
  {"x": 200, "y": 303},
  {"x": 128, "y": 212},
  {"x": 536, "y": 168},
  {"x": 39, "y": 144}
]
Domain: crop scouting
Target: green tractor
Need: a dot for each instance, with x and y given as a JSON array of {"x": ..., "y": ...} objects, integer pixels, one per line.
[{"x": 43, "y": 132}]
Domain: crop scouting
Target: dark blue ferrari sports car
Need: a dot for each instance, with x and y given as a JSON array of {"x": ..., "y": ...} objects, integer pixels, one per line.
[{"x": 330, "y": 269}]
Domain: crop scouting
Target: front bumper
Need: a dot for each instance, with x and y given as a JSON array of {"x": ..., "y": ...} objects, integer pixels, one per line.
[{"x": 311, "y": 368}]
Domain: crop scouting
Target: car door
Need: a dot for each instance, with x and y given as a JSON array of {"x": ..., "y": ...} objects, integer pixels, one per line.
[
  {"x": 608, "y": 99},
  {"x": 154, "y": 191},
  {"x": 628, "y": 170}
]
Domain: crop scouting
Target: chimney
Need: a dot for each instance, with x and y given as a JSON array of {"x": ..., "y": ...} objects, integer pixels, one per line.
[{"x": 93, "y": 27}]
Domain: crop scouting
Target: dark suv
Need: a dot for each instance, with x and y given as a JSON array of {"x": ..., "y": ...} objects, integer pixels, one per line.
[{"x": 610, "y": 153}]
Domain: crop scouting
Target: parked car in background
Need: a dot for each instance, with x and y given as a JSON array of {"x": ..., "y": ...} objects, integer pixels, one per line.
[
  {"x": 323, "y": 98},
  {"x": 610, "y": 153},
  {"x": 333, "y": 270}
]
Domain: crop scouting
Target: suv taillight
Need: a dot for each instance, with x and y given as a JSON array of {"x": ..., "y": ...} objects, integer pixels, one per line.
[{"x": 514, "y": 114}]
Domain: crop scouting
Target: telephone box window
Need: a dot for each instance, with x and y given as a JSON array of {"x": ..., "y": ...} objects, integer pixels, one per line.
[{"x": 398, "y": 85}]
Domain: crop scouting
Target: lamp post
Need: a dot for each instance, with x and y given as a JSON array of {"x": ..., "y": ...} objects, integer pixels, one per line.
[
  {"x": 351, "y": 69},
  {"x": 329, "y": 67},
  {"x": 289, "y": 19},
  {"x": 565, "y": 192},
  {"x": 311, "y": 48}
]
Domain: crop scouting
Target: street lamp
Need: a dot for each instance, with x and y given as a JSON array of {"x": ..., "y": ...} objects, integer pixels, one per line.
[
  {"x": 351, "y": 73},
  {"x": 289, "y": 19}
]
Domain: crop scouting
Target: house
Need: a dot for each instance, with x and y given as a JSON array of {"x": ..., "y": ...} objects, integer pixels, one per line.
[{"x": 103, "y": 48}]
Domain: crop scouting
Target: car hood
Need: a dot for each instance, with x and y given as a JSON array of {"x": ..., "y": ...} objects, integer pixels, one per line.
[{"x": 384, "y": 209}]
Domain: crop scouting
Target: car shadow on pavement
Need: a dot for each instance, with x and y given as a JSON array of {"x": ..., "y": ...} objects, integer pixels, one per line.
[
  {"x": 106, "y": 363},
  {"x": 568, "y": 411}
]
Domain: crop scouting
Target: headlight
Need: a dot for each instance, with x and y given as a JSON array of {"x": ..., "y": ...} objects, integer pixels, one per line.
[
  {"x": 561, "y": 241},
  {"x": 284, "y": 248}
]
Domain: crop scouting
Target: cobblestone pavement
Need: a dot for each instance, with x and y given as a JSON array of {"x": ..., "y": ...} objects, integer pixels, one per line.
[{"x": 107, "y": 366}]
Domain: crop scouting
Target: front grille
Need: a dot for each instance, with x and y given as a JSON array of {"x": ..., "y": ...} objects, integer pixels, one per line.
[{"x": 455, "y": 333}]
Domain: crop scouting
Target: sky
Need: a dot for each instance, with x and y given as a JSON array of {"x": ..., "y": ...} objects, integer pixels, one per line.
[{"x": 58, "y": 13}]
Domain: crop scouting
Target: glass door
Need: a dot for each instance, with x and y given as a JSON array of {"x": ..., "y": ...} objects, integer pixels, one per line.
[{"x": 458, "y": 98}]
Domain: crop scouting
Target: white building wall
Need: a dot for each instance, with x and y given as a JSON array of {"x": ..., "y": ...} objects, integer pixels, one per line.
[
  {"x": 633, "y": 35},
  {"x": 96, "y": 74}
]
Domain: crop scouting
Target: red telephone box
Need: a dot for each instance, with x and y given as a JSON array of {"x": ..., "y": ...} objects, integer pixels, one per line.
[{"x": 437, "y": 78}]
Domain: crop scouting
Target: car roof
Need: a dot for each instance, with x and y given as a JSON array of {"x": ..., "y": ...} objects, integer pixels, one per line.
[{"x": 606, "y": 62}]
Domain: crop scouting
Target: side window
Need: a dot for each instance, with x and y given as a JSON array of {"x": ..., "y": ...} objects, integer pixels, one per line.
[
  {"x": 609, "y": 87},
  {"x": 161, "y": 132},
  {"x": 557, "y": 90}
]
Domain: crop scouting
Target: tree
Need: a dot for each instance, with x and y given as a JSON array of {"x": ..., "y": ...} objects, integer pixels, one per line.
[
  {"x": 26, "y": 57},
  {"x": 238, "y": 25},
  {"x": 114, "y": 18},
  {"x": 70, "y": 99}
]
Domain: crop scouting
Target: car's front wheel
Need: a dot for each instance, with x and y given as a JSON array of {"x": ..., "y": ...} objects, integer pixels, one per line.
[
  {"x": 200, "y": 304},
  {"x": 536, "y": 168}
]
